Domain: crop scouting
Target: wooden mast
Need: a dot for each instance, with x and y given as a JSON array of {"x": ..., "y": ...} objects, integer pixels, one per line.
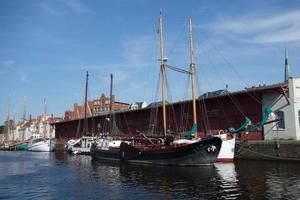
[
  {"x": 110, "y": 105},
  {"x": 192, "y": 70},
  {"x": 162, "y": 68},
  {"x": 6, "y": 138},
  {"x": 24, "y": 119},
  {"x": 85, "y": 122},
  {"x": 45, "y": 118}
]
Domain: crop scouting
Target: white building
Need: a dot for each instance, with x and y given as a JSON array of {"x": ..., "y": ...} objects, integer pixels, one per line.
[
  {"x": 286, "y": 105},
  {"x": 25, "y": 129},
  {"x": 137, "y": 105}
]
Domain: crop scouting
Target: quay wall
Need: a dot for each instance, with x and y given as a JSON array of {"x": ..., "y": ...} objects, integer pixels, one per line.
[{"x": 286, "y": 150}]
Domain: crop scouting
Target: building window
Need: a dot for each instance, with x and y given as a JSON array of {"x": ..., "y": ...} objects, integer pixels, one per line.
[
  {"x": 299, "y": 117},
  {"x": 280, "y": 116}
]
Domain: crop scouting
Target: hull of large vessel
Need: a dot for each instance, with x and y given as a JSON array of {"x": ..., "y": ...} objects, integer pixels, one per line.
[
  {"x": 227, "y": 150},
  {"x": 203, "y": 152}
]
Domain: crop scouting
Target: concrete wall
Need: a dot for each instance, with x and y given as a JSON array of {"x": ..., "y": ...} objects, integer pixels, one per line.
[
  {"x": 278, "y": 102},
  {"x": 268, "y": 150}
]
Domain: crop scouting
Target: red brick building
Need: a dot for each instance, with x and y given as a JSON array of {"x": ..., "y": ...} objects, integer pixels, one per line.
[{"x": 95, "y": 108}]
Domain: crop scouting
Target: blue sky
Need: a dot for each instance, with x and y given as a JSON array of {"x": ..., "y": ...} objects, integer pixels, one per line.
[{"x": 47, "y": 46}]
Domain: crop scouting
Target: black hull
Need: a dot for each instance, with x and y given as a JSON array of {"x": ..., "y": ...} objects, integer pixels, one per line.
[
  {"x": 104, "y": 154},
  {"x": 203, "y": 152}
]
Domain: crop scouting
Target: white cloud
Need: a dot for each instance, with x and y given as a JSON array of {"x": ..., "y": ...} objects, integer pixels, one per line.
[
  {"x": 60, "y": 7},
  {"x": 10, "y": 65},
  {"x": 6, "y": 63},
  {"x": 50, "y": 9},
  {"x": 77, "y": 6},
  {"x": 138, "y": 50},
  {"x": 282, "y": 27}
]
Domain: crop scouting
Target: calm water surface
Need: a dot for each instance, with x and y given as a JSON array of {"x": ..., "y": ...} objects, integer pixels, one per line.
[{"x": 30, "y": 175}]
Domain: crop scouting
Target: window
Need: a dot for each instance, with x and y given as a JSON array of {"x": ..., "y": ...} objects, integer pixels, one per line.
[
  {"x": 280, "y": 116},
  {"x": 299, "y": 116}
]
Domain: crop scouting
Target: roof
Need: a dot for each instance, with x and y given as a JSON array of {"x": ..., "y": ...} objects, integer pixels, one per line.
[
  {"x": 256, "y": 89},
  {"x": 155, "y": 104}
]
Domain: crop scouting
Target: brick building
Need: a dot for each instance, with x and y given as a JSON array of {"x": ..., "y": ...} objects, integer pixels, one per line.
[{"x": 95, "y": 108}]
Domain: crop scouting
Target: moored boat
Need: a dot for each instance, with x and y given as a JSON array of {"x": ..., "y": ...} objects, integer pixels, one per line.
[
  {"x": 201, "y": 152},
  {"x": 40, "y": 144},
  {"x": 227, "y": 149},
  {"x": 164, "y": 150},
  {"x": 23, "y": 146},
  {"x": 84, "y": 143},
  {"x": 81, "y": 146}
]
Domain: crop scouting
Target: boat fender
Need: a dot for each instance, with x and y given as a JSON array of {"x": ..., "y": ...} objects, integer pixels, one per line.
[
  {"x": 221, "y": 132},
  {"x": 161, "y": 141},
  {"x": 277, "y": 145}
]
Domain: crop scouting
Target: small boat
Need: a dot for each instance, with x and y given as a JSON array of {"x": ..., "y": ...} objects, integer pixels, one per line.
[
  {"x": 80, "y": 146},
  {"x": 40, "y": 144},
  {"x": 228, "y": 147},
  {"x": 84, "y": 143},
  {"x": 23, "y": 146},
  {"x": 70, "y": 144}
]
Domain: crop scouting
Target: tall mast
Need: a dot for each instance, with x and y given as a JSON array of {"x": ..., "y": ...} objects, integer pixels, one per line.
[
  {"x": 45, "y": 118},
  {"x": 85, "y": 123},
  {"x": 45, "y": 108},
  {"x": 8, "y": 120},
  {"x": 24, "y": 109},
  {"x": 192, "y": 70},
  {"x": 110, "y": 105},
  {"x": 24, "y": 119},
  {"x": 162, "y": 68}
]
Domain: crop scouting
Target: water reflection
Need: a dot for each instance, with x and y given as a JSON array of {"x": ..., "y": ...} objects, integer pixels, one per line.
[
  {"x": 228, "y": 181},
  {"x": 271, "y": 180},
  {"x": 204, "y": 182},
  {"x": 61, "y": 176}
]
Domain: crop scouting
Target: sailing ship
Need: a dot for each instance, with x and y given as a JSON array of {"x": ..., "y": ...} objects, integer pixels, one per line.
[
  {"x": 84, "y": 143},
  {"x": 162, "y": 150}
]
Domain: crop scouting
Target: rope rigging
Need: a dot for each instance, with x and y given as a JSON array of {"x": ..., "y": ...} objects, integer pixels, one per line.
[{"x": 177, "y": 69}]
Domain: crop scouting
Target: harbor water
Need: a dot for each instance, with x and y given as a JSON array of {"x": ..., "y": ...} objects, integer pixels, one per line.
[{"x": 34, "y": 175}]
